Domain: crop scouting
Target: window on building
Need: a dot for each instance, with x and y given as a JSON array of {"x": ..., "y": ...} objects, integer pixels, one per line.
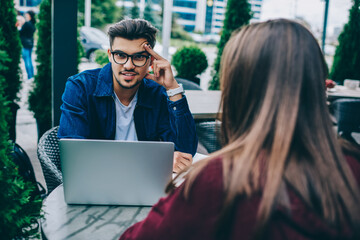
[
  {"x": 29, "y": 3},
  {"x": 189, "y": 28},
  {"x": 188, "y": 4},
  {"x": 186, "y": 16}
]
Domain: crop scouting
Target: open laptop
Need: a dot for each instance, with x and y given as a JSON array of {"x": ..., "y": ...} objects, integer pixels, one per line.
[{"x": 108, "y": 172}]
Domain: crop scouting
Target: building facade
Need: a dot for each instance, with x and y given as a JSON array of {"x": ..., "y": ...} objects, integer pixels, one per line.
[{"x": 207, "y": 16}]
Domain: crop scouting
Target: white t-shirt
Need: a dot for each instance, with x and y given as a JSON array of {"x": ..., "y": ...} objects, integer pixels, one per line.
[{"x": 125, "y": 125}]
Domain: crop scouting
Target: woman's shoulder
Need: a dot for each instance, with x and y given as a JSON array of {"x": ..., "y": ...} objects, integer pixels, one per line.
[
  {"x": 206, "y": 180},
  {"x": 212, "y": 171}
]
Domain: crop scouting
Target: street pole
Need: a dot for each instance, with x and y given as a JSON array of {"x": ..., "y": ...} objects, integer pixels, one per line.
[
  {"x": 87, "y": 13},
  {"x": 325, "y": 25},
  {"x": 166, "y": 33}
]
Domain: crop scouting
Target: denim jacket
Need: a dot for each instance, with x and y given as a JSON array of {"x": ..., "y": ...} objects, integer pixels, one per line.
[{"x": 88, "y": 111}]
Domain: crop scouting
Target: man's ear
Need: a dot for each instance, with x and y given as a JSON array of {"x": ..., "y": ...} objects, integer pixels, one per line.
[{"x": 109, "y": 54}]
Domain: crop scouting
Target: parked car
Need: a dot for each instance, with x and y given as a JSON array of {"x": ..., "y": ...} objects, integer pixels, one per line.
[{"x": 93, "y": 39}]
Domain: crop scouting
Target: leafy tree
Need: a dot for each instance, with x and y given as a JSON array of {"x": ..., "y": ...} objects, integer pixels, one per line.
[
  {"x": 189, "y": 61},
  {"x": 151, "y": 16},
  {"x": 177, "y": 31},
  {"x": 238, "y": 13},
  {"x": 123, "y": 10},
  {"x": 135, "y": 12},
  {"x": 101, "y": 57},
  {"x": 102, "y": 12},
  {"x": 347, "y": 55},
  {"x": 148, "y": 12},
  {"x": 12, "y": 46},
  {"x": 40, "y": 95},
  {"x": 19, "y": 208}
]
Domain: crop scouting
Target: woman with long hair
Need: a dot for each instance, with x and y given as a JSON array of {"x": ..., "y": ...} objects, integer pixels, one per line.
[{"x": 281, "y": 173}]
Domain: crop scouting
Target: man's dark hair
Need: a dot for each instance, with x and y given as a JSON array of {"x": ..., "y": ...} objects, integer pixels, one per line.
[{"x": 133, "y": 29}]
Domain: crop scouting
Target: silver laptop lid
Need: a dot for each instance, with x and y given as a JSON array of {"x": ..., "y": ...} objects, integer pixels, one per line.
[{"x": 115, "y": 172}]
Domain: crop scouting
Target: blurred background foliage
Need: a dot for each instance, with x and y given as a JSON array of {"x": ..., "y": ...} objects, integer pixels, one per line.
[{"x": 346, "y": 63}]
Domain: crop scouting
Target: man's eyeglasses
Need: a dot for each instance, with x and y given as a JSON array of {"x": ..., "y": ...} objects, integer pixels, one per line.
[{"x": 137, "y": 59}]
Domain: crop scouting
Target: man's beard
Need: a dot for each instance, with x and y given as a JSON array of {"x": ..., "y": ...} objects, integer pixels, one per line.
[{"x": 127, "y": 87}]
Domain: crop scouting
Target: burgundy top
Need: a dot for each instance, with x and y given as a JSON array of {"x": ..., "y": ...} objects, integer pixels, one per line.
[{"x": 173, "y": 217}]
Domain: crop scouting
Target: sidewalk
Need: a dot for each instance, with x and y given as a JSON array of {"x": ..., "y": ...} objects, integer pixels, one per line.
[{"x": 26, "y": 130}]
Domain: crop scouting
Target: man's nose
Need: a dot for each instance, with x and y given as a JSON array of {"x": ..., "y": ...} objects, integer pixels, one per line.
[{"x": 129, "y": 64}]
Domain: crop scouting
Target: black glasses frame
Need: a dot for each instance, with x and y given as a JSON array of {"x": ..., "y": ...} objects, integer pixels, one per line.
[{"x": 130, "y": 56}]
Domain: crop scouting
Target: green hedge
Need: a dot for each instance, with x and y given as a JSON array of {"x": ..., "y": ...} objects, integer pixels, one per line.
[
  {"x": 40, "y": 95},
  {"x": 347, "y": 55},
  {"x": 238, "y": 13},
  {"x": 12, "y": 46},
  {"x": 189, "y": 61},
  {"x": 101, "y": 57},
  {"x": 19, "y": 209}
]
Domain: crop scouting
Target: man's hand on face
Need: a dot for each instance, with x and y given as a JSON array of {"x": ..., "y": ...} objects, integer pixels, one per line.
[
  {"x": 181, "y": 161},
  {"x": 162, "y": 72}
]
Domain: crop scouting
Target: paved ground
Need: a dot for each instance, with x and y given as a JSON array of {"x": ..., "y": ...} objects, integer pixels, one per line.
[{"x": 26, "y": 131}]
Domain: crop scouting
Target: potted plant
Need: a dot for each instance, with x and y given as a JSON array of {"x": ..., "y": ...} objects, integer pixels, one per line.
[
  {"x": 189, "y": 61},
  {"x": 10, "y": 43}
]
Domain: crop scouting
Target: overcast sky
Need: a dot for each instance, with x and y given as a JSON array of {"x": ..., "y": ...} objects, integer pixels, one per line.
[{"x": 311, "y": 10}]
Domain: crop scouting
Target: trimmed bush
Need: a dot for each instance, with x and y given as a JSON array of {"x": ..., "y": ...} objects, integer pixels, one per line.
[
  {"x": 102, "y": 12},
  {"x": 40, "y": 95},
  {"x": 135, "y": 11},
  {"x": 238, "y": 13},
  {"x": 19, "y": 208},
  {"x": 347, "y": 55},
  {"x": 189, "y": 61},
  {"x": 10, "y": 43},
  {"x": 12, "y": 46},
  {"x": 101, "y": 57},
  {"x": 40, "y": 102},
  {"x": 151, "y": 16}
]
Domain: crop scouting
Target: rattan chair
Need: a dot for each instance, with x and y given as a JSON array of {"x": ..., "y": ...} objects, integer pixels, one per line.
[
  {"x": 347, "y": 114},
  {"x": 209, "y": 135},
  {"x": 187, "y": 84},
  {"x": 49, "y": 157}
]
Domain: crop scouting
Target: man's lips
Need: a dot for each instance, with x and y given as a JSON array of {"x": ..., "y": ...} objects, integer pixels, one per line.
[{"x": 128, "y": 76}]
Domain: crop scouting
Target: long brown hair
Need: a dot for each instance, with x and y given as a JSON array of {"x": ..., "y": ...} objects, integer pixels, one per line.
[{"x": 276, "y": 126}]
